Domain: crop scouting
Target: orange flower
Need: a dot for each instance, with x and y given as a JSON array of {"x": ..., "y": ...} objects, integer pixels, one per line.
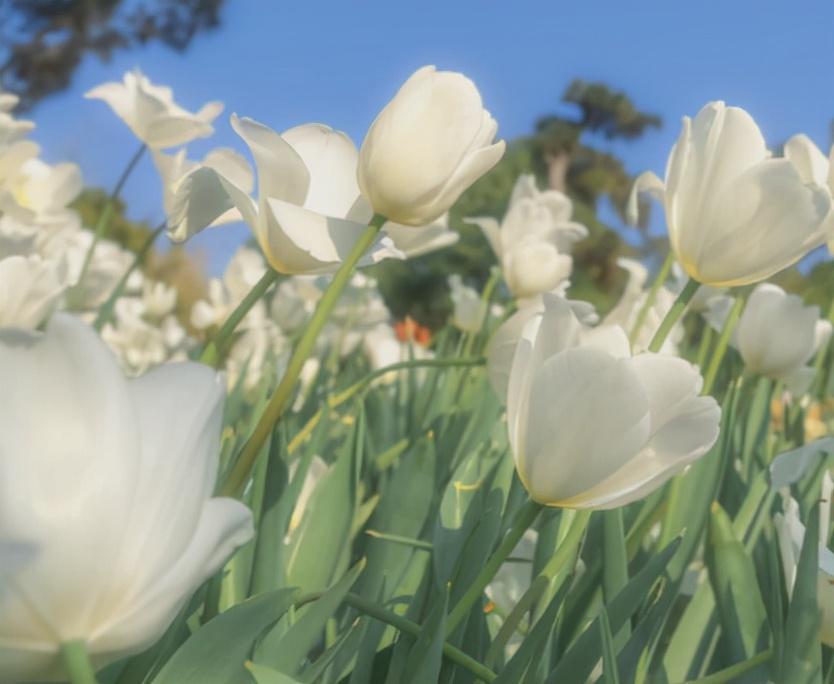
[{"x": 409, "y": 330}]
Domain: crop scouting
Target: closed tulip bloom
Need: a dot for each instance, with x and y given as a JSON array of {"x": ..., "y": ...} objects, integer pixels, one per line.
[
  {"x": 592, "y": 427},
  {"x": 813, "y": 166},
  {"x": 468, "y": 308},
  {"x": 111, "y": 482},
  {"x": 428, "y": 145},
  {"x": 735, "y": 214},
  {"x": 777, "y": 334},
  {"x": 150, "y": 112},
  {"x": 534, "y": 240}
]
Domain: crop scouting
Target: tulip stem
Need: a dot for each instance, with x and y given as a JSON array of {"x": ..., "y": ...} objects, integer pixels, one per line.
[
  {"x": 651, "y": 296},
  {"x": 525, "y": 517},
  {"x": 674, "y": 314},
  {"x": 406, "y": 626},
  {"x": 105, "y": 312},
  {"x": 338, "y": 399},
  {"x": 77, "y": 663},
  {"x": 103, "y": 222},
  {"x": 723, "y": 342},
  {"x": 211, "y": 354},
  {"x": 239, "y": 474}
]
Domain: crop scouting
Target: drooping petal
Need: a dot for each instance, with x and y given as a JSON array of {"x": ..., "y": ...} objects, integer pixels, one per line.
[{"x": 302, "y": 241}]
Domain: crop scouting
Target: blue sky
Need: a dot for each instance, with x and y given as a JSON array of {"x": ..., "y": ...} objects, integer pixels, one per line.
[{"x": 339, "y": 62}]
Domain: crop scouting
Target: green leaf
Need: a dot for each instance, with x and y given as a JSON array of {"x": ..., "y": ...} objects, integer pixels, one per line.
[
  {"x": 288, "y": 651},
  {"x": 266, "y": 675},
  {"x": 801, "y": 660},
  {"x": 610, "y": 672},
  {"x": 318, "y": 546},
  {"x": 579, "y": 660},
  {"x": 426, "y": 655},
  {"x": 215, "y": 653},
  {"x": 736, "y": 588}
]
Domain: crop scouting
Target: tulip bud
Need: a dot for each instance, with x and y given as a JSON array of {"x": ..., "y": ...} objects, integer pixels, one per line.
[
  {"x": 428, "y": 145},
  {"x": 590, "y": 426},
  {"x": 735, "y": 214}
]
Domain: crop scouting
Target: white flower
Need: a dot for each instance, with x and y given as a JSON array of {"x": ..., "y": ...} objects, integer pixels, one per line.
[
  {"x": 590, "y": 426},
  {"x": 469, "y": 309},
  {"x": 813, "y": 166},
  {"x": 150, "y": 111},
  {"x": 534, "y": 240},
  {"x": 174, "y": 169},
  {"x": 428, "y": 144},
  {"x": 627, "y": 309},
  {"x": 30, "y": 289},
  {"x": 309, "y": 213},
  {"x": 735, "y": 215},
  {"x": 791, "y": 534},
  {"x": 776, "y": 335},
  {"x": 111, "y": 480}
]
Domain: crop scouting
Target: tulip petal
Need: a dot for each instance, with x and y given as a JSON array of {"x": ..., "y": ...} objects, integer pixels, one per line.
[
  {"x": 224, "y": 525},
  {"x": 305, "y": 242},
  {"x": 330, "y": 157},
  {"x": 414, "y": 241},
  {"x": 80, "y": 448},
  {"x": 646, "y": 183},
  {"x": 587, "y": 416},
  {"x": 806, "y": 157},
  {"x": 282, "y": 173},
  {"x": 491, "y": 230},
  {"x": 684, "y": 427}
]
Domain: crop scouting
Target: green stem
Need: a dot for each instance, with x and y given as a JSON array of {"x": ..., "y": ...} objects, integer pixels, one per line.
[
  {"x": 651, "y": 296},
  {"x": 239, "y": 474},
  {"x": 731, "y": 673},
  {"x": 723, "y": 342},
  {"x": 353, "y": 390},
  {"x": 103, "y": 222},
  {"x": 820, "y": 378},
  {"x": 105, "y": 313},
  {"x": 674, "y": 314},
  {"x": 406, "y": 626},
  {"x": 523, "y": 519},
  {"x": 77, "y": 663},
  {"x": 614, "y": 562},
  {"x": 211, "y": 353}
]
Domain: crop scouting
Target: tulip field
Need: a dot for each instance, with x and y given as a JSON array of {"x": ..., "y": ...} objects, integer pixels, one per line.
[{"x": 284, "y": 483}]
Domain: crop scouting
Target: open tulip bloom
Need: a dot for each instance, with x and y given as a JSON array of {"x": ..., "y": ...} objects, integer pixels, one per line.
[
  {"x": 590, "y": 426},
  {"x": 735, "y": 214},
  {"x": 110, "y": 481}
]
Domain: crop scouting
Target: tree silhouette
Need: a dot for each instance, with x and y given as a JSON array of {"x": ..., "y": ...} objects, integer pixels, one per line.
[{"x": 42, "y": 42}]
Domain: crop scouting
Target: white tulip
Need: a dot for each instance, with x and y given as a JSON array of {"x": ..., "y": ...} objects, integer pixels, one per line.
[
  {"x": 535, "y": 238},
  {"x": 30, "y": 288},
  {"x": 590, "y": 426},
  {"x": 735, "y": 214},
  {"x": 426, "y": 147},
  {"x": 627, "y": 309},
  {"x": 777, "y": 334},
  {"x": 791, "y": 535},
  {"x": 468, "y": 308},
  {"x": 150, "y": 111},
  {"x": 309, "y": 213},
  {"x": 813, "y": 166},
  {"x": 503, "y": 343},
  {"x": 111, "y": 480},
  {"x": 174, "y": 168},
  {"x": 430, "y": 238}
]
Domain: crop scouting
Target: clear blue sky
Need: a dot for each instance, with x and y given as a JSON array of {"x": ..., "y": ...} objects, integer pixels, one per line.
[{"x": 287, "y": 63}]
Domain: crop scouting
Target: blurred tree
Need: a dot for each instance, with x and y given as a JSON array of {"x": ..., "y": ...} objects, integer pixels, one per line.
[
  {"x": 42, "y": 42},
  {"x": 561, "y": 153}
]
